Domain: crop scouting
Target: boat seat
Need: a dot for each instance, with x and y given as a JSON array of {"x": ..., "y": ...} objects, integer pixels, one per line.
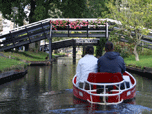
[
  {"x": 127, "y": 79},
  {"x": 104, "y": 77}
]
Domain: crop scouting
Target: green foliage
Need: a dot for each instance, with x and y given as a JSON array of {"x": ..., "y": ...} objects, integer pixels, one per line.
[
  {"x": 14, "y": 10},
  {"x": 99, "y": 48},
  {"x": 134, "y": 16},
  {"x": 73, "y": 8},
  {"x": 97, "y": 8},
  {"x": 125, "y": 49},
  {"x": 146, "y": 52},
  {"x": 39, "y": 13}
]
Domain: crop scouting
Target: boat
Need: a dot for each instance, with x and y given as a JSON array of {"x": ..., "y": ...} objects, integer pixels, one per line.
[{"x": 106, "y": 88}]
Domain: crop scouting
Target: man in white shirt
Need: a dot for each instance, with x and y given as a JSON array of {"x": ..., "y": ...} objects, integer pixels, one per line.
[{"x": 86, "y": 65}]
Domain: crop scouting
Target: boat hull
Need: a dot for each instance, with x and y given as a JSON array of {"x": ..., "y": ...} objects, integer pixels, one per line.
[{"x": 92, "y": 97}]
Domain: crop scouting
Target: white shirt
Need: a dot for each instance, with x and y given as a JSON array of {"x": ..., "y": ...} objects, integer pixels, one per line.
[{"x": 86, "y": 65}]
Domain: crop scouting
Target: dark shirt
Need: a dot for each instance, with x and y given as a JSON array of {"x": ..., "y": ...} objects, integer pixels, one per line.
[{"x": 111, "y": 62}]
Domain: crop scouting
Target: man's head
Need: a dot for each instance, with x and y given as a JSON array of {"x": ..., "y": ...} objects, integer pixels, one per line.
[
  {"x": 90, "y": 50},
  {"x": 109, "y": 46}
]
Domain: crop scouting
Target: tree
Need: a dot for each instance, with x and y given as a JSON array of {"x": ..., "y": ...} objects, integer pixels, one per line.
[
  {"x": 133, "y": 16},
  {"x": 73, "y": 8},
  {"x": 1, "y": 26},
  {"x": 41, "y": 9},
  {"x": 97, "y": 8},
  {"x": 100, "y": 46}
]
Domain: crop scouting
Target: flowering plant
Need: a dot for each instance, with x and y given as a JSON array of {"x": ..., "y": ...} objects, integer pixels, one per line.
[{"x": 78, "y": 24}]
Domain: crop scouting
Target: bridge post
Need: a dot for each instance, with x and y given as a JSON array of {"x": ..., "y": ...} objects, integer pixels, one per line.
[
  {"x": 50, "y": 43},
  {"x": 83, "y": 53},
  {"x": 106, "y": 33},
  {"x": 74, "y": 51}
]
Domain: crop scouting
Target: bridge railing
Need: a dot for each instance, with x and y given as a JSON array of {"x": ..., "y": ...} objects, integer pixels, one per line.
[
  {"x": 29, "y": 34},
  {"x": 41, "y": 30}
]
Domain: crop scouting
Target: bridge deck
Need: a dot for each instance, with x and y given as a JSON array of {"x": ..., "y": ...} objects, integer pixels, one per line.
[{"x": 41, "y": 30}]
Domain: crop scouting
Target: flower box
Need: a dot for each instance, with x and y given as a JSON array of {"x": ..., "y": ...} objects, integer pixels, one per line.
[{"x": 77, "y": 25}]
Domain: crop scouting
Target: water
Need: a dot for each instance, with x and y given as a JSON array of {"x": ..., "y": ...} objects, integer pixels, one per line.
[{"x": 49, "y": 90}]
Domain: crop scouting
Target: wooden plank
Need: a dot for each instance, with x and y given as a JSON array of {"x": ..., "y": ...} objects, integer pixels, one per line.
[
  {"x": 43, "y": 31},
  {"x": 12, "y": 38},
  {"x": 29, "y": 29},
  {"x": 77, "y": 35},
  {"x": 62, "y": 44},
  {"x": 23, "y": 37},
  {"x": 38, "y": 39},
  {"x": 17, "y": 33}
]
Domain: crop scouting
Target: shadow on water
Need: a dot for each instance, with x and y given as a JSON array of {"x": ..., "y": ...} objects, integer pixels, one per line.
[{"x": 49, "y": 90}]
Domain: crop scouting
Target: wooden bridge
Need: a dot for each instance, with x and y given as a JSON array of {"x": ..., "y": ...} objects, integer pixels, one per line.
[{"x": 43, "y": 30}]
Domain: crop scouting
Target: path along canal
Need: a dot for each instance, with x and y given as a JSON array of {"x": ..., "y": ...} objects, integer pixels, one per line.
[{"x": 49, "y": 90}]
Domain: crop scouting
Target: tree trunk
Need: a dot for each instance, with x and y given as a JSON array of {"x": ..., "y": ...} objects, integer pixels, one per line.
[
  {"x": 135, "y": 52},
  {"x": 37, "y": 46}
]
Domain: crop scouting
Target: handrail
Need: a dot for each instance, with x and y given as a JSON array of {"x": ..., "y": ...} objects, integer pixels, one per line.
[{"x": 104, "y": 83}]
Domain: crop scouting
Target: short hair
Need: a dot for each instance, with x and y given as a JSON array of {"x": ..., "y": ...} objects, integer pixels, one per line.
[
  {"x": 108, "y": 46},
  {"x": 89, "y": 50}
]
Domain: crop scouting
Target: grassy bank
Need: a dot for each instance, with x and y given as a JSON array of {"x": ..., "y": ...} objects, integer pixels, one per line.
[
  {"x": 27, "y": 56},
  {"x": 18, "y": 60},
  {"x": 9, "y": 64},
  {"x": 145, "y": 61}
]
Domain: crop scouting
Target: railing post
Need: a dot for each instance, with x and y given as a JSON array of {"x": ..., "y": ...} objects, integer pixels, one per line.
[
  {"x": 87, "y": 28},
  {"x": 28, "y": 34},
  {"x": 12, "y": 38},
  {"x": 74, "y": 51},
  {"x": 68, "y": 28},
  {"x": 43, "y": 31},
  {"x": 50, "y": 43},
  {"x": 106, "y": 33}
]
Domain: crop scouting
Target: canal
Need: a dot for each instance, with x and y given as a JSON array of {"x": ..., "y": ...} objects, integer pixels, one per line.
[{"x": 49, "y": 90}]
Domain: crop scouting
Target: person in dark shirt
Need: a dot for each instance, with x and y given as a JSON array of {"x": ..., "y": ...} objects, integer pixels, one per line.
[{"x": 111, "y": 61}]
